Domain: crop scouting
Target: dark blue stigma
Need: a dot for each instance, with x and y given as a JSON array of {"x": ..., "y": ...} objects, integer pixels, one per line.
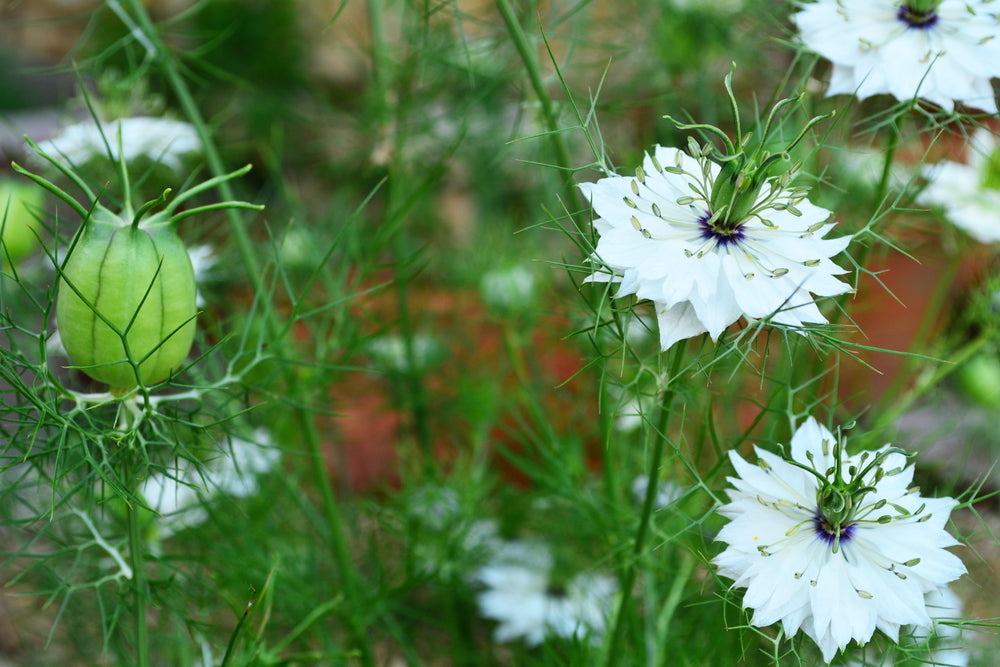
[
  {"x": 915, "y": 18},
  {"x": 722, "y": 235},
  {"x": 827, "y": 533}
]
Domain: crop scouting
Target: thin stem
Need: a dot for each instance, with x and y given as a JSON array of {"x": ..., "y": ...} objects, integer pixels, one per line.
[
  {"x": 925, "y": 382},
  {"x": 212, "y": 156},
  {"x": 658, "y": 441},
  {"x": 137, "y": 551},
  {"x": 681, "y": 577},
  {"x": 922, "y": 334},
  {"x": 890, "y": 156},
  {"x": 412, "y": 381},
  {"x": 549, "y": 116},
  {"x": 299, "y": 396}
]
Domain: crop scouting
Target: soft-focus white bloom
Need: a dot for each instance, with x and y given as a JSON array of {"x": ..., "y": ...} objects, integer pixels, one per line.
[
  {"x": 862, "y": 168},
  {"x": 710, "y": 5},
  {"x": 179, "y": 496},
  {"x": 667, "y": 492},
  {"x": 969, "y": 192},
  {"x": 159, "y": 139},
  {"x": 449, "y": 542},
  {"x": 660, "y": 241},
  {"x": 839, "y": 552},
  {"x": 203, "y": 261},
  {"x": 629, "y": 415},
  {"x": 944, "y": 55},
  {"x": 510, "y": 289},
  {"x": 520, "y": 596},
  {"x": 944, "y": 606},
  {"x": 389, "y": 353}
]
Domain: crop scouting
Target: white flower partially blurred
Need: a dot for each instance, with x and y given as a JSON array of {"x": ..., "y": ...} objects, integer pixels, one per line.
[
  {"x": 521, "y": 597},
  {"x": 508, "y": 290},
  {"x": 835, "y": 545},
  {"x": 160, "y": 139},
  {"x": 179, "y": 497},
  {"x": 666, "y": 493},
  {"x": 449, "y": 542},
  {"x": 944, "y": 608},
  {"x": 629, "y": 415},
  {"x": 661, "y": 240},
  {"x": 203, "y": 261},
  {"x": 969, "y": 193},
  {"x": 389, "y": 353},
  {"x": 727, "y": 6},
  {"x": 943, "y": 54}
]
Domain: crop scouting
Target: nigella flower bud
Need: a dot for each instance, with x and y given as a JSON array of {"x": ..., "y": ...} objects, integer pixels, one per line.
[
  {"x": 126, "y": 304},
  {"x": 127, "y": 299}
]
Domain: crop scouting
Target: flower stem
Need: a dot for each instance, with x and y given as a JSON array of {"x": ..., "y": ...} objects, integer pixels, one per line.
[
  {"x": 658, "y": 441},
  {"x": 413, "y": 385},
  {"x": 924, "y": 328},
  {"x": 550, "y": 118},
  {"x": 137, "y": 552},
  {"x": 298, "y": 390},
  {"x": 890, "y": 156}
]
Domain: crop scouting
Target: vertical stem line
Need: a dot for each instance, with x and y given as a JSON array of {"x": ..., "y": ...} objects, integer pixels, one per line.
[
  {"x": 298, "y": 390},
  {"x": 137, "y": 552},
  {"x": 658, "y": 440},
  {"x": 413, "y": 383},
  {"x": 530, "y": 61},
  {"x": 896, "y": 389},
  {"x": 890, "y": 156}
]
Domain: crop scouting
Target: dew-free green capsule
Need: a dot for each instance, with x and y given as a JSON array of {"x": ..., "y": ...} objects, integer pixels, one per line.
[
  {"x": 17, "y": 201},
  {"x": 126, "y": 302}
]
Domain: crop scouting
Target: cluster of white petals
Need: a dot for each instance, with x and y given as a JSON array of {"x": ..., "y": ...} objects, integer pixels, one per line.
[
  {"x": 519, "y": 595},
  {"x": 967, "y": 191},
  {"x": 657, "y": 240},
  {"x": 944, "y": 55},
  {"x": 159, "y": 139},
  {"x": 179, "y": 496},
  {"x": 873, "y": 575}
]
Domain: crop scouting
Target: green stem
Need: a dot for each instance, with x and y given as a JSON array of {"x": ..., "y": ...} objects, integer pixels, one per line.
[
  {"x": 137, "y": 552},
  {"x": 549, "y": 116},
  {"x": 891, "y": 414},
  {"x": 658, "y": 440},
  {"x": 681, "y": 578},
  {"x": 890, "y": 156},
  {"x": 298, "y": 390},
  {"x": 922, "y": 334},
  {"x": 413, "y": 383},
  {"x": 212, "y": 156}
]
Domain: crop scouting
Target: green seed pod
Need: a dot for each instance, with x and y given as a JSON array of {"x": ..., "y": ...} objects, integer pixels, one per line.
[
  {"x": 126, "y": 300},
  {"x": 16, "y": 203}
]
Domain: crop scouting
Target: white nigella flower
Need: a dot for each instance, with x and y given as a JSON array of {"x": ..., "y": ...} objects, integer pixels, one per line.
[
  {"x": 520, "y": 595},
  {"x": 943, "y": 51},
  {"x": 835, "y": 545},
  {"x": 389, "y": 353},
  {"x": 508, "y": 290},
  {"x": 944, "y": 606},
  {"x": 708, "y": 245},
  {"x": 203, "y": 261},
  {"x": 159, "y": 139},
  {"x": 969, "y": 193},
  {"x": 666, "y": 493},
  {"x": 178, "y": 497}
]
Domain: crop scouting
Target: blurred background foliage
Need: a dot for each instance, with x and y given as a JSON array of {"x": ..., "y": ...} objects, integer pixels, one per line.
[{"x": 403, "y": 153}]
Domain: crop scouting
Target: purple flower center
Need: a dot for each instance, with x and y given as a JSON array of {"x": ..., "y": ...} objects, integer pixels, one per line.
[
  {"x": 828, "y": 532},
  {"x": 917, "y": 18},
  {"x": 720, "y": 233}
]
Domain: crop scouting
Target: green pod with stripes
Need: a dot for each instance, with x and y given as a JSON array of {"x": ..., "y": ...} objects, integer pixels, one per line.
[{"x": 126, "y": 303}]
